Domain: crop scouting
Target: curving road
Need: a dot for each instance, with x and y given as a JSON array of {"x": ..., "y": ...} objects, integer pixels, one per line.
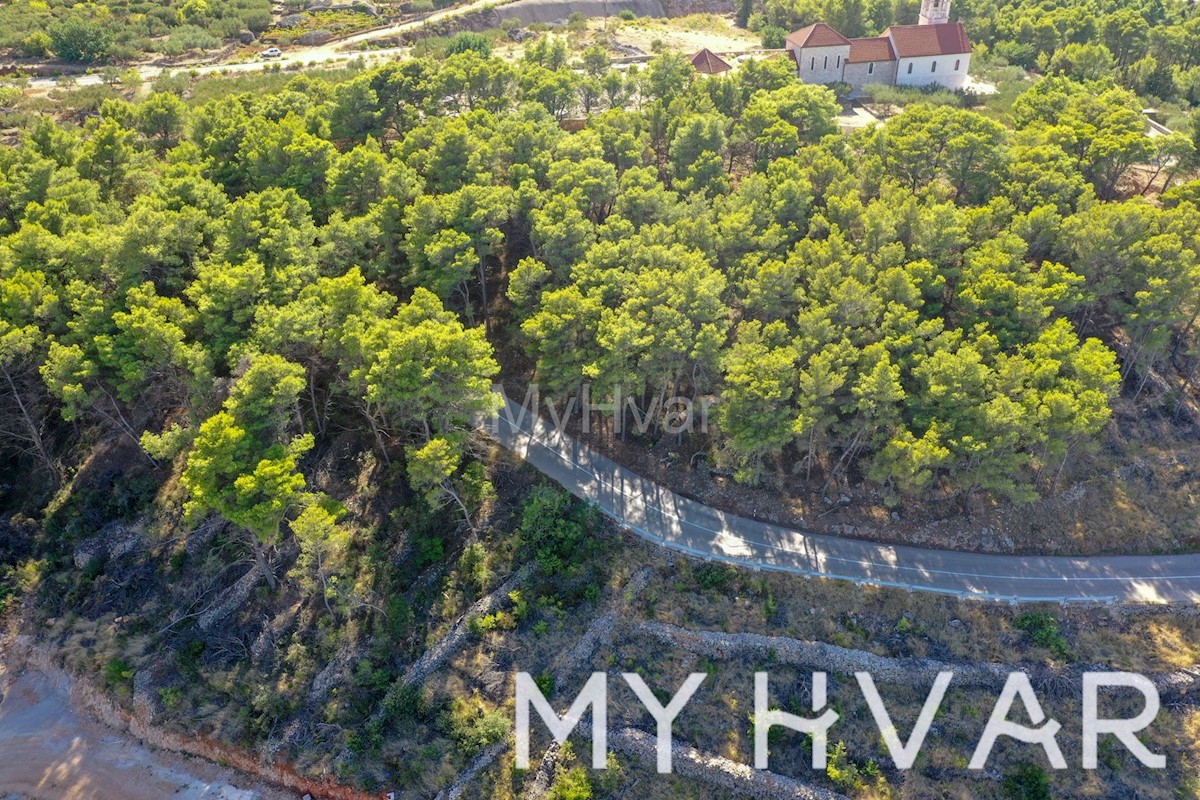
[{"x": 660, "y": 515}]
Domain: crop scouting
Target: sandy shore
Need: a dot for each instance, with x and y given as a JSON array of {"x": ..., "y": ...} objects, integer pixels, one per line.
[{"x": 48, "y": 751}]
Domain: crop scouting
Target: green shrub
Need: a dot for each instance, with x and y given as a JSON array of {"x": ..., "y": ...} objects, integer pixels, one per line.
[
  {"x": 117, "y": 673},
  {"x": 500, "y": 621},
  {"x": 473, "y": 727},
  {"x": 187, "y": 658},
  {"x": 841, "y": 769},
  {"x": 572, "y": 784},
  {"x": 7, "y": 585},
  {"x": 1043, "y": 631},
  {"x": 1027, "y": 782},
  {"x": 900, "y": 96},
  {"x": 491, "y": 728},
  {"x": 773, "y": 37},
  {"x": 92, "y": 570},
  {"x": 627, "y": 14},
  {"x": 520, "y": 605},
  {"x": 473, "y": 567},
  {"x": 170, "y": 697},
  {"x": 608, "y": 780},
  {"x": 189, "y": 37},
  {"x": 80, "y": 40},
  {"x": 369, "y": 676},
  {"x": 36, "y": 45},
  {"x": 174, "y": 84},
  {"x": 430, "y": 550},
  {"x": 770, "y": 606},
  {"x": 592, "y": 593},
  {"x": 554, "y": 529},
  {"x": 468, "y": 40},
  {"x": 405, "y": 703},
  {"x": 399, "y": 618},
  {"x": 714, "y": 577}
]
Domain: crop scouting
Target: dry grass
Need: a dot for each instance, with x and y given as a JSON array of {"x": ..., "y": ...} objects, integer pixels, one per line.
[
  {"x": 87, "y": 645},
  {"x": 682, "y": 34},
  {"x": 901, "y": 624},
  {"x": 1148, "y": 642}
]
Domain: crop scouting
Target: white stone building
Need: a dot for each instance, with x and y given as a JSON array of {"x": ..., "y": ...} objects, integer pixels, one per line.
[
  {"x": 934, "y": 51},
  {"x": 820, "y": 52}
]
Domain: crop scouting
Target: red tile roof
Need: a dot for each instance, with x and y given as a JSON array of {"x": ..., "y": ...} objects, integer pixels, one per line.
[
  {"x": 877, "y": 48},
  {"x": 912, "y": 41},
  {"x": 818, "y": 35},
  {"x": 709, "y": 63}
]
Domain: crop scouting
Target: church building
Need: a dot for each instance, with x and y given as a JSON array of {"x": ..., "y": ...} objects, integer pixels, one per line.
[{"x": 935, "y": 50}]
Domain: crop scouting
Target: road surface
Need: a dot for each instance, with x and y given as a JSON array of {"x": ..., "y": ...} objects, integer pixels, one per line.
[{"x": 660, "y": 515}]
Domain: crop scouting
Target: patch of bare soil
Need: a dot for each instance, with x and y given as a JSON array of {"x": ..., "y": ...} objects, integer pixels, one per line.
[{"x": 686, "y": 35}]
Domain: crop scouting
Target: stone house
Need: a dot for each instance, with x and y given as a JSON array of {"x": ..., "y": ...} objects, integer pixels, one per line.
[{"x": 934, "y": 51}]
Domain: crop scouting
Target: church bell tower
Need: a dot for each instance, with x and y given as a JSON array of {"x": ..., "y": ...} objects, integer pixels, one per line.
[{"x": 934, "y": 12}]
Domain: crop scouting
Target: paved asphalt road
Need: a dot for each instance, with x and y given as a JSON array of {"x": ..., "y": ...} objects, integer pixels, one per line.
[{"x": 660, "y": 515}]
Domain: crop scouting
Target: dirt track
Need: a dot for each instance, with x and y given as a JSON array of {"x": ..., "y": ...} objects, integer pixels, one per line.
[
  {"x": 50, "y": 752},
  {"x": 299, "y": 55}
]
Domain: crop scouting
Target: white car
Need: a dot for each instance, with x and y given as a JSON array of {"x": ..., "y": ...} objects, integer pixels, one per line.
[{"x": 272, "y": 52}]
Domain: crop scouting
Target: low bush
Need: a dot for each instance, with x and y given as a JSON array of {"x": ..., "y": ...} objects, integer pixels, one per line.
[
  {"x": 1027, "y": 782},
  {"x": 554, "y": 529},
  {"x": 1043, "y": 631},
  {"x": 488, "y": 623},
  {"x": 468, "y": 41},
  {"x": 714, "y": 577},
  {"x": 118, "y": 673},
  {"x": 406, "y": 703},
  {"x": 474, "y": 727}
]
